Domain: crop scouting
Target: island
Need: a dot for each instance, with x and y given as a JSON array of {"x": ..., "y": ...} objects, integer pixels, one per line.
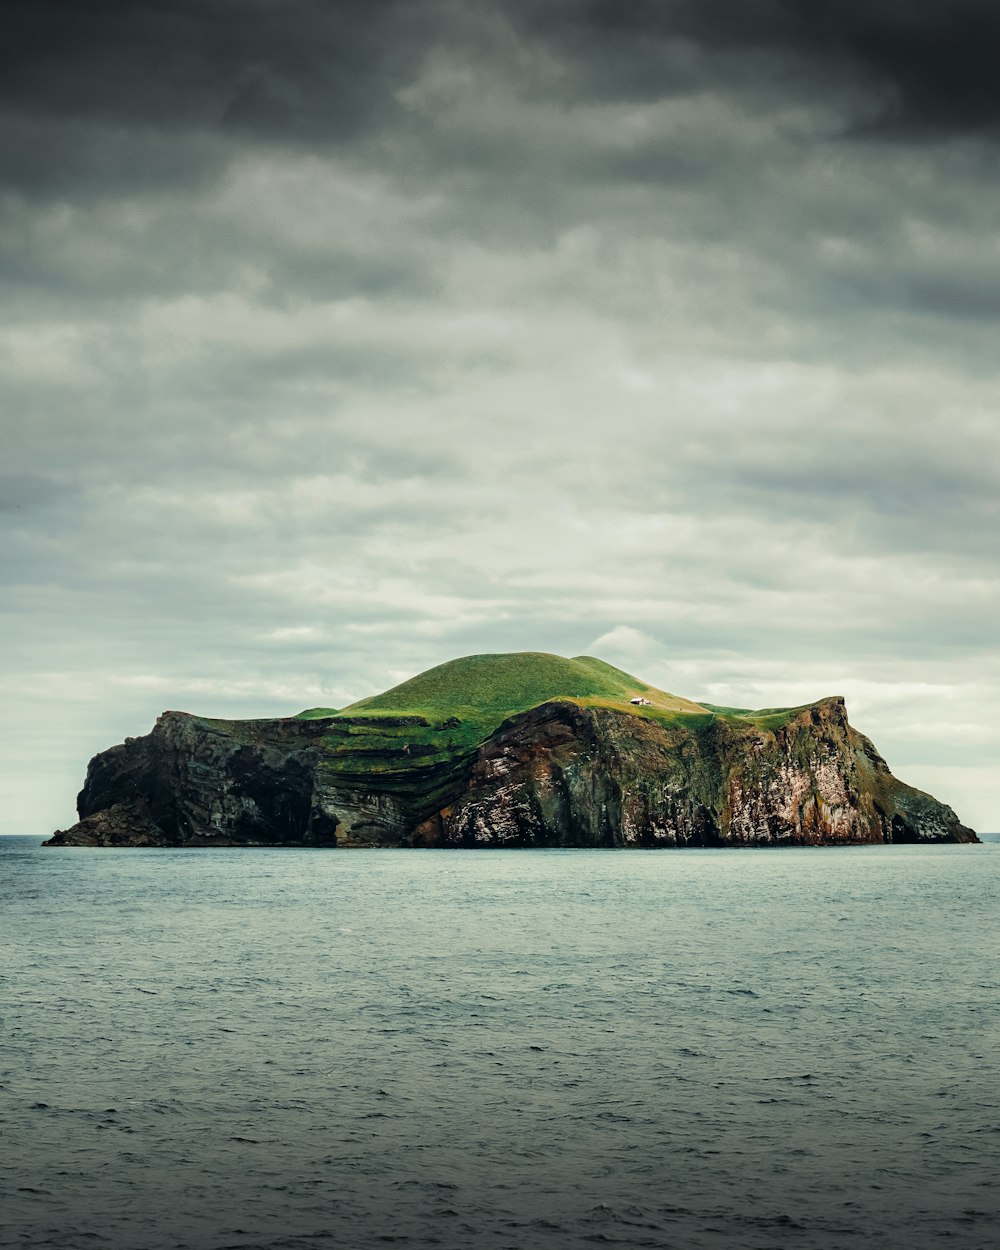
[{"x": 524, "y": 749}]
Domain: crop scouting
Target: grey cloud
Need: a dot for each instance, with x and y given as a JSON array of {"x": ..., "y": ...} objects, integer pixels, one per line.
[
  {"x": 172, "y": 246},
  {"x": 45, "y": 158},
  {"x": 196, "y": 62},
  {"x": 330, "y": 73},
  {"x": 874, "y": 485},
  {"x": 113, "y": 99},
  {"x": 23, "y": 492},
  {"x": 338, "y": 273},
  {"x": 930, "y": 65},
  {"x": 501, "y": 178},
  {"x": 969, "y": 296}
]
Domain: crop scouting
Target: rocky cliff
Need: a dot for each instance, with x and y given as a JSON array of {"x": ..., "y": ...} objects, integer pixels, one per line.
[
  {"x": 523, "y": 750},
  {"x": 561, "y": 775}
]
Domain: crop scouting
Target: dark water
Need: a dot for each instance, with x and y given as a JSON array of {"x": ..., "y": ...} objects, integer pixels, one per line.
[{"x": 304, "y": 1049}]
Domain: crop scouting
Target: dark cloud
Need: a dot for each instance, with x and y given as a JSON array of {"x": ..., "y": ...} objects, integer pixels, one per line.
[
  {"x": 127, "y": 98},
  {"x": 930, "y": 64},
  {"x": 105, "y": 77},
  {"x": 309, "y": 65}
]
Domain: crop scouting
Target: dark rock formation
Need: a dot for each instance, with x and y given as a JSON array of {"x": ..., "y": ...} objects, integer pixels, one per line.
[
  {"x": 561, "y": 775},
  {"x": 558, "y": 774}
]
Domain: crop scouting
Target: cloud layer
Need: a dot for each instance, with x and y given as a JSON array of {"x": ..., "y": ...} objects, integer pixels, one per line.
[{"x": 339, "y": 340}]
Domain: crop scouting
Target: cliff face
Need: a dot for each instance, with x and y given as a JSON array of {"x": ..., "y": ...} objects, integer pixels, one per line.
[
  {"x": 558, "y": 774},
  {"x": 198, "y": 782},
  {"x": 566, "y": 776}
]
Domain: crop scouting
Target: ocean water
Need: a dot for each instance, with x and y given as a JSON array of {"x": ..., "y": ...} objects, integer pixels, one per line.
[{"x": 297, "y": 1049}]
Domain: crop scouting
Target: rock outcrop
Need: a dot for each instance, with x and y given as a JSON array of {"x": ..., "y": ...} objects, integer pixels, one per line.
[
  {"x": 565, "y": 772},
  {"x": 561, "y": 775}
]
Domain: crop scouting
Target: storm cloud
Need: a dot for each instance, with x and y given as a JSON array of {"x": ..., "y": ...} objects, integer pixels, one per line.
[{"x": 341, "y": 339}]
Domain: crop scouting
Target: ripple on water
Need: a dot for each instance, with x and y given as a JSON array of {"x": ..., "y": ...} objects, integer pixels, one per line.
[{"x": 284, "y": 1049}]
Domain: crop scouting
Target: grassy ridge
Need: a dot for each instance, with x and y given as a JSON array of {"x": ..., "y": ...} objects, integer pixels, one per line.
[{"x": 481, "y": 691}]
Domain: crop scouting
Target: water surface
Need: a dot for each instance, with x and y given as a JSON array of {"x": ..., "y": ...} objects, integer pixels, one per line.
[{"x": 273, "y": 1049}]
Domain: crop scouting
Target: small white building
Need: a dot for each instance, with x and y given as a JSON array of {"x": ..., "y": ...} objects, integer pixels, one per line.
[{"x": 641, "y": 702}]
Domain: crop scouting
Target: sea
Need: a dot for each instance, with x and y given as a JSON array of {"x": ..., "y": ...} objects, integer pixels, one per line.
[{"x": 287, "y": 1049}]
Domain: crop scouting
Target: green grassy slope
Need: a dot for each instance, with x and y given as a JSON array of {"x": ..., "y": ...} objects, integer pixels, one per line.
[
  {"x": 763, "y": 718},
  {"x": 481, "y": 691}
]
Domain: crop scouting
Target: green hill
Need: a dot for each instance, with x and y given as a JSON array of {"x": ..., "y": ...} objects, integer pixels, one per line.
[{"x": 481, "y": 691}]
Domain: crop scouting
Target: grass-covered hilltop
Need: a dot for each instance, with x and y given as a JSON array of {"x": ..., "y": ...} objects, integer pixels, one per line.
[
  {"x": 481, "y": 691},
  {"x": 520, "y": 749}
]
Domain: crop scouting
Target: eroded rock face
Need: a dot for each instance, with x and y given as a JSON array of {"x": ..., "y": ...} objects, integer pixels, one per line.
[
  {"x": 197, "y": 782},
  {"x": 561, "y": 775},
  {"x": 558, "y": 775},
  {"x": 194, "y": 781}
]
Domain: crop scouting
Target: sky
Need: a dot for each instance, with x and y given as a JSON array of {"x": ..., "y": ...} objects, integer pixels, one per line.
[{"x": 341, "y": 339}]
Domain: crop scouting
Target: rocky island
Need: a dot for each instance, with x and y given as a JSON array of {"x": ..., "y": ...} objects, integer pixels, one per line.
[{"x": 517, "y": 750}]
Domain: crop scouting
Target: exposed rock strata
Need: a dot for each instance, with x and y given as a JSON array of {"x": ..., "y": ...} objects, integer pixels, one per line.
[{"x": 560, "y": 774}]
